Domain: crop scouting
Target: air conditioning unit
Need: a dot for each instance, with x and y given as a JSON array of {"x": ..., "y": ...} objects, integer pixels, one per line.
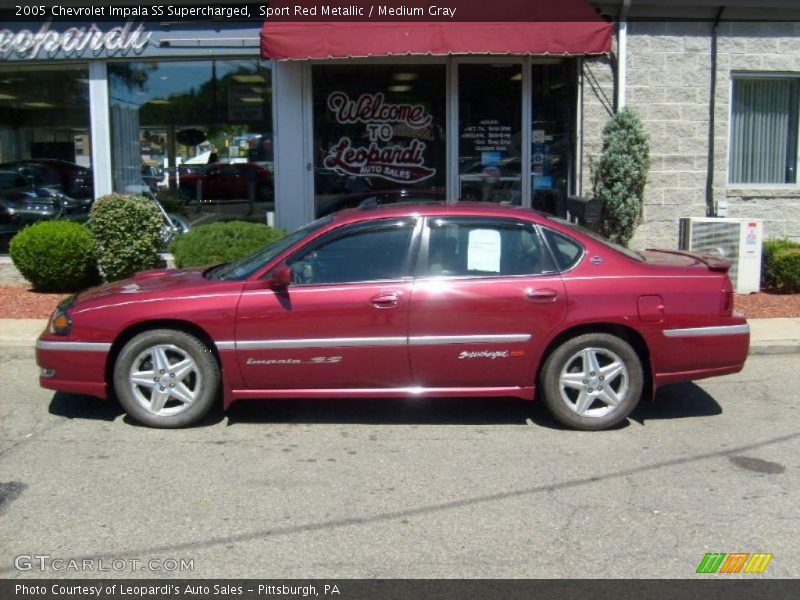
[{"x": 736, "y": 240}]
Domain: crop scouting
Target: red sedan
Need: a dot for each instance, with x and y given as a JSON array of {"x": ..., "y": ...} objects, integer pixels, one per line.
[
  {"x": 405, "y": 301},
  {"x": 228, "y": 181}
]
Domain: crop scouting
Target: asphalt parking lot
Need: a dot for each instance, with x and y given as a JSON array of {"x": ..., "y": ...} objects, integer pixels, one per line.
[{"x": 440, "y": 488}]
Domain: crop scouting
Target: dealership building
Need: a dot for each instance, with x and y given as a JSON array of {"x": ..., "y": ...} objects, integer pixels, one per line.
[{"x": 504, "y": 111}]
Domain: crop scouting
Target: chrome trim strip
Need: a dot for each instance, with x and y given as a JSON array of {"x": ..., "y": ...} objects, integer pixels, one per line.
[
  {"x": 425, "y": 340},
  {"x": 76, "y": 346},
  {"x": 363, "y": 342},
  {"x": 320, "y": 343},
  {"x": 708, "y": 331}
]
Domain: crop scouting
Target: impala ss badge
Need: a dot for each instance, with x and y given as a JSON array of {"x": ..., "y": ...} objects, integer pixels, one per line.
[
  {"x": 492, "y": 354},
  {"x": 317, "y": 360}
]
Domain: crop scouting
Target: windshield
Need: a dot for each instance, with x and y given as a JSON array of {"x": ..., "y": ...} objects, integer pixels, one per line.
[
  {"x": 244, "y": 267},
  {"x": 603, "y": 240}
]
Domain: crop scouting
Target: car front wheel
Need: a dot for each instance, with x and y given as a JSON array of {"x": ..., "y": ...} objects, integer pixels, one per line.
[
  {"x": 592, "y": 381},
  {"x": 166, "y": 378}
]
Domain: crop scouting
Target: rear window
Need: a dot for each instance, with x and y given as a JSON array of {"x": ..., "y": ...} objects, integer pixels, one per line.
[
  {"x": 603, "y": 240},
  {"x": 566, "y": 251}
]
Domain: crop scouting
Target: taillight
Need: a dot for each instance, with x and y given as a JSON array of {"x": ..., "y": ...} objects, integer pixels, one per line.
[{"x": 726, "y": 310}]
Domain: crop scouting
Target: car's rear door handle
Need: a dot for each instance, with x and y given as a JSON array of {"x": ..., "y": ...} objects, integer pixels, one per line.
[
  {"x": 385, "y": 300},
  {"x": 541, "y": 295}
]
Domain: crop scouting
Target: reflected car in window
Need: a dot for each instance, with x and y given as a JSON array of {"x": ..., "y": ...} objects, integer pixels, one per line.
[
  {"x": 228, "y": 181},
  {"x": 71, "y": 179},
  {"x": 22, "y": 204},
  {"x": 404, "y": 301}
]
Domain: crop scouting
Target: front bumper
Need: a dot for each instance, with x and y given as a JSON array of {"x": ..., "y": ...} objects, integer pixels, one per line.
[{"x": 73, "y": 367}]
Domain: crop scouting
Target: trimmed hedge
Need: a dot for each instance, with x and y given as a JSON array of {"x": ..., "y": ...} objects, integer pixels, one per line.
[
  {"x": 222, "y": 242},
  {"x": 769, "y": 277},
  {"x": 56, "y": 256},
  {"x": 786, "y": 269},
  {"x": 128, "y": 233}
]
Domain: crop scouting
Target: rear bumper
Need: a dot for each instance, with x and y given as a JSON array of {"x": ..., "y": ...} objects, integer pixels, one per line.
[
  {"x": 73, "y": 367},
  {"x": 686, "y": 354}
]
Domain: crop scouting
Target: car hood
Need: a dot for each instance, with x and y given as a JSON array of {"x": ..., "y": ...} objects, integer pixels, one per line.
[{"x": 147, "y": 282}]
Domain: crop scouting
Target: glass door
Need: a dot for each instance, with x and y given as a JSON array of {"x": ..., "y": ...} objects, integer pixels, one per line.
[{"x": 490, "y": 132}]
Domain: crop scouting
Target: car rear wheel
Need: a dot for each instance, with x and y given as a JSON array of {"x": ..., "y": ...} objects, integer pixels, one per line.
[
  {"x": 166, "y": 378},
  {"x": 592, "y": 381}
]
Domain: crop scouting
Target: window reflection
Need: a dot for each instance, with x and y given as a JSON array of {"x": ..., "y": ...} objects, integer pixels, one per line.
[
  {"x": 196, "y": 133},
  {"x": 45, "y": 146}
]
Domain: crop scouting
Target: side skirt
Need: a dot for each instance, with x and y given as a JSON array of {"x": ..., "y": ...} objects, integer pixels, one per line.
[{"x": 524, "y": 393}]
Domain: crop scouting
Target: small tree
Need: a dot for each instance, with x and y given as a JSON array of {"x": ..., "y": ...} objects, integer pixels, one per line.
[
  {"x": 619, "y": 176},
  {"x": 128, "y": 234}
]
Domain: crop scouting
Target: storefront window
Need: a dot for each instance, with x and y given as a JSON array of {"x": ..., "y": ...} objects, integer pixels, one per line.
[
  {"x": 198, "y": 134},
  {"x": 379, "y": 134},
  {"x": 45, "y": 146},
  {"x": 490, "y": 127},
  {"x": 553, "y": 133}
]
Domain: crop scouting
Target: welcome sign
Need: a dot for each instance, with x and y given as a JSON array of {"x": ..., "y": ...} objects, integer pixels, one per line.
[{"x": 394, "y": 162}]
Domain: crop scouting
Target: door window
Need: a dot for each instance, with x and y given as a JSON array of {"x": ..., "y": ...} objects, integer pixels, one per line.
[
  {"x": 471, "y": 247},
  {"x": 377, "y": 128},
  {"x": 362, "y": 252}
]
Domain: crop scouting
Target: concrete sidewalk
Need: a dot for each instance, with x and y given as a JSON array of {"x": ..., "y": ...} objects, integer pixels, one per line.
[{"x": 767, "y": 336}]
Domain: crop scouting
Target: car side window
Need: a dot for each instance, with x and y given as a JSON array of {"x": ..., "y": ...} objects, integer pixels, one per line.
[
  {"x": 375, "y": 251},
  {"x": 566, "y": 251},
  {"x": 485, "y": 247}
]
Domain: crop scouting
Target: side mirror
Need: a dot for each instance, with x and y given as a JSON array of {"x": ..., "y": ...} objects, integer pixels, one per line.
[{"x": 280, "y": 277}]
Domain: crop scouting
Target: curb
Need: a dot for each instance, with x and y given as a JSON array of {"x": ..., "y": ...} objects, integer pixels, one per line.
[{"x": 768, "y": 349}]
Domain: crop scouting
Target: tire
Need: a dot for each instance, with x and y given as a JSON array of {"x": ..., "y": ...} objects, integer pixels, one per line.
[
  {"x": 184, "y": 392},
  {"x": 577, "y": 397},
  {"x": 265, "y": 193},
  {"x": 188, "y": 195}
]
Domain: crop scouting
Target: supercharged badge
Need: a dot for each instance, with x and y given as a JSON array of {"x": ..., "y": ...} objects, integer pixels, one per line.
[{"x": 491, "y": 354}]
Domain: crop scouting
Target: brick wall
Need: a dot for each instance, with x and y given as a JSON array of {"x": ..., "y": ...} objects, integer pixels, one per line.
[{"x": 668, "y": 84}]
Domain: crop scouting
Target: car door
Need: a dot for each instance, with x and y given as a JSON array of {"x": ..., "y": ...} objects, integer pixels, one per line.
[
  {"x": 485, "y": 298},
  {"x": 342, "y": 322},
  {"x": 210, "y": 182}
]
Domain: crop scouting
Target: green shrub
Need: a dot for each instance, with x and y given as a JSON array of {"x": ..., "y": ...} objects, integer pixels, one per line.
[
  {"x": 769, "y": 278},
  {"x": 128, "y": 234},
  {"x": 620, "y": 175},
  {"x": 56, "y": 256},
  {"x": 222, "y": 242},
  {"x": 786, "y": 269}
]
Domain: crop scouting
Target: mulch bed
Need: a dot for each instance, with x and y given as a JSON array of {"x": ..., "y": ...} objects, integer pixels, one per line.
[{"x": 19, "y": 302}]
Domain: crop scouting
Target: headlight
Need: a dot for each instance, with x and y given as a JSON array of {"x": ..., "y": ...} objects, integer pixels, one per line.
[{"x": 60, "y": 323}]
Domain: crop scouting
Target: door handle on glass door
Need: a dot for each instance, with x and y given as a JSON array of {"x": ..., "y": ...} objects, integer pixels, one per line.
[{"x": 541, "y": 295}]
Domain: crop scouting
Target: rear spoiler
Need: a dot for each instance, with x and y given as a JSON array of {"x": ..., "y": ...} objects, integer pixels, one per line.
[{"x": 714, "y": 263}]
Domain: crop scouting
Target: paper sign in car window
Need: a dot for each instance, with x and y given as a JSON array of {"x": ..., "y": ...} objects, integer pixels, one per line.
[{"x": 483, "y": 250}]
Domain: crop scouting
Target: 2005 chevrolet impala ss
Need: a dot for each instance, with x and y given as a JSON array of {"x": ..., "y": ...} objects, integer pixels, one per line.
[{"x": 433, "y": 300}]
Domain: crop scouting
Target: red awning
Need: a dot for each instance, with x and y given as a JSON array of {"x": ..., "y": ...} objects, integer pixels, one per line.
[{"x": 565, "y": 27}]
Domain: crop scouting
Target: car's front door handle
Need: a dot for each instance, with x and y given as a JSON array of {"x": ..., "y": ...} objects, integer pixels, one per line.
[
  {"x": 541, "y": 295},
  {"x": 386, "y": 300}
]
